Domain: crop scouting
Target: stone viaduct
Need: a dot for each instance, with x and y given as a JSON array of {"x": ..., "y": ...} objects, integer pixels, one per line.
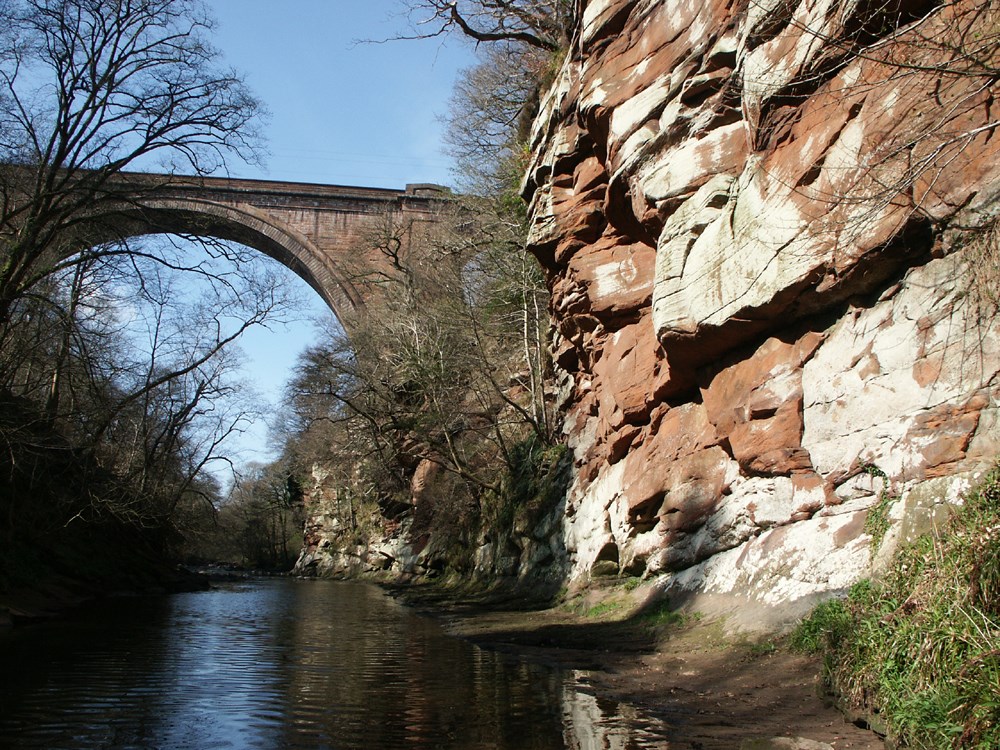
[{"x": 321, "y": 232}]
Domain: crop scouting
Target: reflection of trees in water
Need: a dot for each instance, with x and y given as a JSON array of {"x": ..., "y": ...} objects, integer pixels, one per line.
[
  {"x": 391, "y": 678},
  {"x": 287, "y": 663}
]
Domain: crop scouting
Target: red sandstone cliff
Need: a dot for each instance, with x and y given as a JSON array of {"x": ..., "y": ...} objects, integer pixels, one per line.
[{"x": 766, "y": 227}]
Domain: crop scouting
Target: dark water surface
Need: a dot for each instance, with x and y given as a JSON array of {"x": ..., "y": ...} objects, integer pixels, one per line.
[{"x": 282, "y": 663}]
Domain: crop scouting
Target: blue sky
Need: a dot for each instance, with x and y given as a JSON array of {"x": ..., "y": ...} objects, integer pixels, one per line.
[{"x": 342, "y": 112}]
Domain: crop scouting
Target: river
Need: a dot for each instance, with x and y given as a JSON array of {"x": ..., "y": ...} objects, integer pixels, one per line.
[{"x": 285, "y": 663}]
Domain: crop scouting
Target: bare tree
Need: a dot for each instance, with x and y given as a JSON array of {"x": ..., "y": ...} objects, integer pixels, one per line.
[
  {"x": 449, "y": 366},
  {"x": 116, "y": 380},
  {"x": 490, "y": 114},
  {"x": 545, "y": 24},
  {"x": 495, "y": 101},
  {"x": 89, "y": 89},
  {"x": 141, "y": 372}
]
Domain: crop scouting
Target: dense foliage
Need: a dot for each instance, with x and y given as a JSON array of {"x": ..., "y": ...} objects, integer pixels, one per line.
[{"x": 920, "y": 648}]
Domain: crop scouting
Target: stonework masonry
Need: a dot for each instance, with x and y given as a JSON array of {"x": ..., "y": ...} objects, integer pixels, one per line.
[
  {"x": 766, "y": 228},
  {"x": 324, "y": 233}
]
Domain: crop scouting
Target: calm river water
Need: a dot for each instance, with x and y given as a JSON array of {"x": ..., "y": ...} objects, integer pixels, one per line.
[{"x": 283, "y": 663}]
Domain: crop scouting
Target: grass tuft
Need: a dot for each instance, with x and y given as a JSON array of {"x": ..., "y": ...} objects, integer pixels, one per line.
[
  {"x": 660, "y": 615},
  {"x": 877, "y": 521},
  {"x": 604, "y": 609},
  {"x": 632, "y": 583},
  {"x": 921, "y": 648}
]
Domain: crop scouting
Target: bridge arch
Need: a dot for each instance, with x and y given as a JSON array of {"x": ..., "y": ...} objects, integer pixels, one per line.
[
  {"x": 247, "y": 227},
  {"x": 317, "y": 231}
]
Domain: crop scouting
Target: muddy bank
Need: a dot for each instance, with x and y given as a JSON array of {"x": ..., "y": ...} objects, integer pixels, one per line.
[{"x": 717, "y": 691}]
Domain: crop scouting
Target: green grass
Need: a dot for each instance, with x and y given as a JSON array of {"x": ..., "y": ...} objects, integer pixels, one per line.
[
  {"x": 826, "y": 626},
  {"x": 921, "y": 647},
  {"x": 604, "y": 609},
  {"x": 756, "y": 649},
  {"x": 661, "y": 615},
  {"x": 877, "y": 521},
  {"x": 632, "y": 583}
]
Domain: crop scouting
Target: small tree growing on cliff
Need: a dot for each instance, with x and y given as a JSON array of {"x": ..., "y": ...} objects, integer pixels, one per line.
[
  {"x": 492, "y": 109},
  {"x": 489, "y": 116},
  {"x": 495, "y": 101}
]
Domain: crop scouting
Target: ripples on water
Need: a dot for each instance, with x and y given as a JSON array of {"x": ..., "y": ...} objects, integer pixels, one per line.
[{"x": 286, "y": 664}]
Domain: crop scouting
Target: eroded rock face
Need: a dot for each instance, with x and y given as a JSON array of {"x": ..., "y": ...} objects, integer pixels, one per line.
[
  {"x": 763, "y": 227},
  {"x": 332, "y": 546}
]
